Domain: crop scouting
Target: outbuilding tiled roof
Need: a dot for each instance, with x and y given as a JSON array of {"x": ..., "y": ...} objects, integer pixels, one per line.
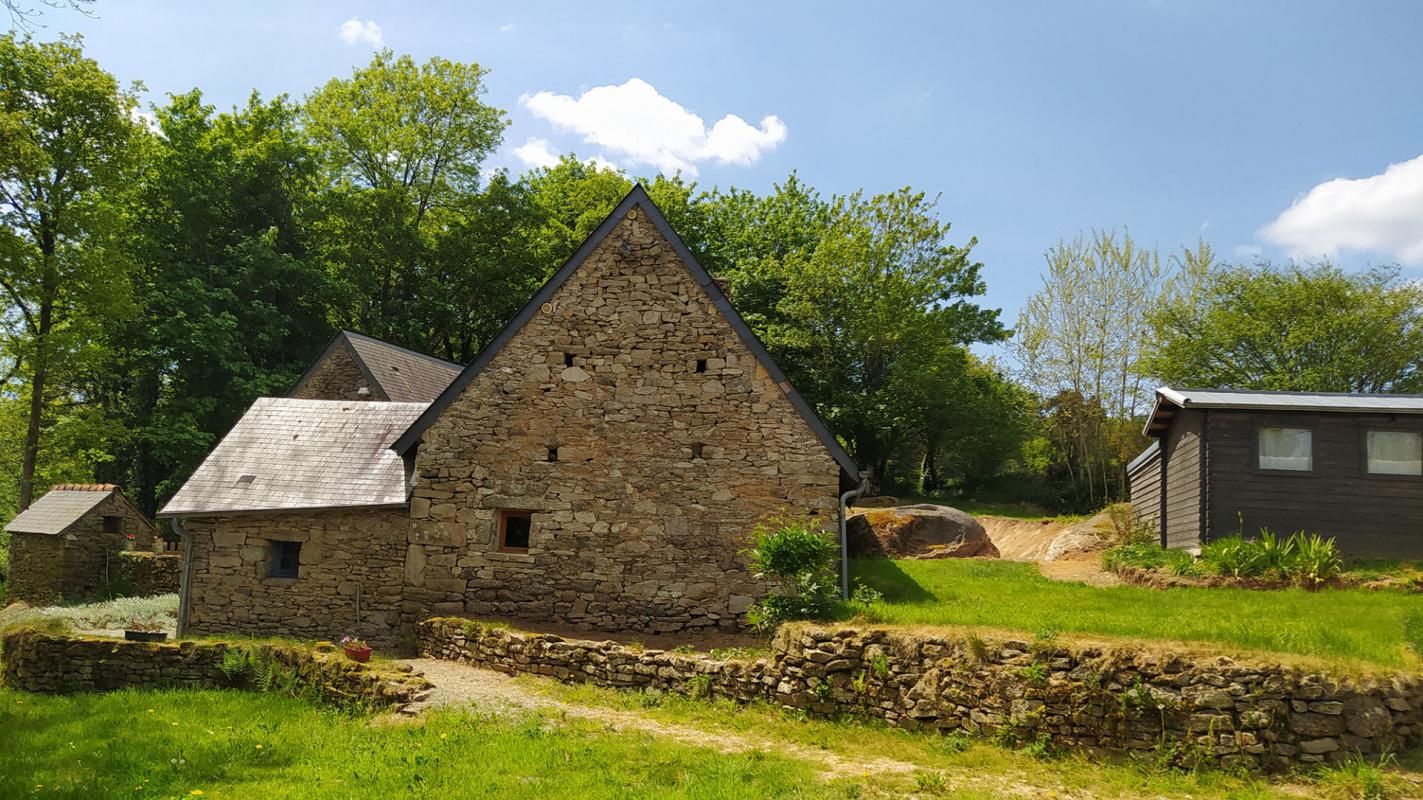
[
  {"x": 61, "y": 507},
  {"x": 288, "y": 454}
]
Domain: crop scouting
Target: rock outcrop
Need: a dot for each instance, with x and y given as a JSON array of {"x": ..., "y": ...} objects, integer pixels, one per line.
[{"x": 918, "y": 531}]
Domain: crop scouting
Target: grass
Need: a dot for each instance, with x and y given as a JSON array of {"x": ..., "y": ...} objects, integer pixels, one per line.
[
  {"x": 215, "y": 744},
  {"x": 1345, "y": 627}
]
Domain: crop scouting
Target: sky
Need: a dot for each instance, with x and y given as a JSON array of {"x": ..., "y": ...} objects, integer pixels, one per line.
[{"x": 1269, "y": 129}]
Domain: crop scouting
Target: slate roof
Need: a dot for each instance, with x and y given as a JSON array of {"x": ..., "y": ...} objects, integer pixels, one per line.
[
  {"x": 289, "y": 454},
  {"x": 1169, "y": 400},
  {"x": 61, "y": 507},
  {"x": 396, "y": 373},
  {"x": 637, "y": 198}
]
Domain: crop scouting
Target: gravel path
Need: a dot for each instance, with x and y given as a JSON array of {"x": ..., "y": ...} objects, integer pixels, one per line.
[{"x": 458, "y": 685}]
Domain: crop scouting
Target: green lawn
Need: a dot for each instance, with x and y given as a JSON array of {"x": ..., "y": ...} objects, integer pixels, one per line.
[
  {"x": 215, "y": 744},
  {"x": 1344, "y": 626}
]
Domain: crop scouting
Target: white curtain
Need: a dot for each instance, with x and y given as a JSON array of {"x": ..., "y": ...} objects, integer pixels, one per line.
[
  {"x": 1395, "y": 453},
  {"x": 1286, "y": 448}
]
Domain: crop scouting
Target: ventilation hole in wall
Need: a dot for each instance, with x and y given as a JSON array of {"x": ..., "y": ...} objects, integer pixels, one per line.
[
  {"x": 552, "y": 454},
  {"x": 701, "y": 365},
  {"x": 567, "y": 359},
  {"x": 697, "y": 449}
]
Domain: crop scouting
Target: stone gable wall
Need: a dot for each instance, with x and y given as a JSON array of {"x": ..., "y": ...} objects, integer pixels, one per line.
[
  {"x": 78, "y": 563},
  {"x": 1192, "y": 710},
  {"x": 350, "y": 578},
  {"x": 337, "y": 377},
  {"x": 661, "y": 471}
]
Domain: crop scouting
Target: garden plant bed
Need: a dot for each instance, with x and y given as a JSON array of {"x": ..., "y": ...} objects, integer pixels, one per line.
[{"x": 1164, "y": 579}]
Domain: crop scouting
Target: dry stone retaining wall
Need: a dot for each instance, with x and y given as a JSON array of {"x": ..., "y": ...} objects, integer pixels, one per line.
[
  {"x": 1257, "y": 716},
  {"x": 60, "y": 664},
  {"x": 143, "y": 574}
]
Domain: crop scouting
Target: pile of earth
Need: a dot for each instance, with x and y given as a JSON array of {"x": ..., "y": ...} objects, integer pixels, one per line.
[{"x": 918, "y": 531}]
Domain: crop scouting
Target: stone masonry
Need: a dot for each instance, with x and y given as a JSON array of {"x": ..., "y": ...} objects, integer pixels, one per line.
[
  {"x": 645, "y": 438},
  {"x": 337, "y": 377},
  {"x": 1191, "y": 710},
  {"x": 79, "y": 562},
  {"x": 349, "y": 580}
]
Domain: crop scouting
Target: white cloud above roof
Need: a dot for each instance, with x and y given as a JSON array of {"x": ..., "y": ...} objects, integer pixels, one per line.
[
  {"x": 1379, "y": 214},
  {"x": 636, "y": 124},
  {"x": 355, "y": 31}
]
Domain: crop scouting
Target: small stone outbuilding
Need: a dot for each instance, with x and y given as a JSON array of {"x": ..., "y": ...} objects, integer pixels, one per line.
[
  {"x": 601, "y": 464},
  {"x": 358, "y": 367},
  {"x": 66, "y": 545}
]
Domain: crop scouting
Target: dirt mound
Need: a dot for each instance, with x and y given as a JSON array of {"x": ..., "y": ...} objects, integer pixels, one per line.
[
  {"x": 918, "y": 531},
  {"x": 1021, "y": 539}
]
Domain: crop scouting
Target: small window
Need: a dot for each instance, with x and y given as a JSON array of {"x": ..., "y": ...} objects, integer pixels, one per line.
[
  {"x": 1287, "y": 449},
  {"x": 286, "y": 559},
  {"x": 113, "y": 524},
  {"x": 1395, "y": 452},
  {"x": 514, "y": 527},
  {"x": 697, "y": 450},
  {"x": 552, "y": 454},
  {"x": 701, "y": 365},
  {"x": 567, "y": 359}
]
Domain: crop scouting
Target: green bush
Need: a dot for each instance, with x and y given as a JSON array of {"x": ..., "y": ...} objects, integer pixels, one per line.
[
  {"x": 1183, "y": 565},
  {"x": 1306, "y": 559},
  {"x": 1277, "y": 555},
  {"x": 1143, "y": 555},
  {"x": 799, "y": 562},
  {"x": 1315, "y": 561},
  {"x": 1233, "y": 556}
]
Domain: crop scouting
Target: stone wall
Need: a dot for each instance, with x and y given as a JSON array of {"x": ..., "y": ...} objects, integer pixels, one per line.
[
  {"x": 352, "y": 565},
  {"x": 144, "y": 574},
  {"x": 1235, "y": 714},
  {"x": 33, "y": 661},
  {"x": 80, "y": 562},
  {"x": 336, "y": 377},
  {"x": 671, "y": 443}
]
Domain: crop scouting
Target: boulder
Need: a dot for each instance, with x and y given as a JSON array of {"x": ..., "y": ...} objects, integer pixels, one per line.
[
  {"x": 877, "y": 501},
  {"x": 1087, "y": 536},
  {"x": 918, "y": 531}
]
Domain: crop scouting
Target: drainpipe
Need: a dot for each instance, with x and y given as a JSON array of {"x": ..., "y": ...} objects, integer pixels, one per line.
[
  {"x": 845, "y": 499},
  {"x": 185, "y": 581}
]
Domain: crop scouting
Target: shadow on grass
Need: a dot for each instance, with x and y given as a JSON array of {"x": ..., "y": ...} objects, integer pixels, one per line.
[{"x": 886, "y": 577}]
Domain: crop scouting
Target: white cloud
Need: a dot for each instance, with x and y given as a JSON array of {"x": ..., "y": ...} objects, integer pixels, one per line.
[
  {"x": 536, "y": 153},
  {"x": 354, "y": 32},
  {"x": 635, "y": 122},
  {"x": 1378, "y": 214},
  {"x": 506, "y": 27}
]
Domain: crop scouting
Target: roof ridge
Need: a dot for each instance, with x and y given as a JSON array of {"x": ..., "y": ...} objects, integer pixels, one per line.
[
  {"x": 84, "y": 487},
  {"x": 436, "y": 359}
]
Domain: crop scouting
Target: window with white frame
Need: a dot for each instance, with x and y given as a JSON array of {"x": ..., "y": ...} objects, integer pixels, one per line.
[
  {"x": 1394, "y": 452},
  {"x": 1289, "y": 449}
]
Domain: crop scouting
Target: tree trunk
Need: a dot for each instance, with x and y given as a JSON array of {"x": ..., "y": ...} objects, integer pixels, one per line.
[{"x": 32, "y": 433}]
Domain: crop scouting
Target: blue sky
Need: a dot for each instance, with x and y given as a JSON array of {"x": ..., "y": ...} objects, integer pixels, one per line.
[{"x": 1232, "y": 121}]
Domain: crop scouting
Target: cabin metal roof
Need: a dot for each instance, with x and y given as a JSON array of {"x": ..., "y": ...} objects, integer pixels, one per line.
[
  {"x": 287, "y": 454},
  {"x": 61, "y": 507},
  {"x": 1170, "y": 401}
]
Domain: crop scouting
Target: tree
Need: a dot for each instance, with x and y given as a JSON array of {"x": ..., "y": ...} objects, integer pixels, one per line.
[
  {"x": 1306, "y": 327},
  {"x": 65, "y": 159},
  {"x": 400, "y": 146}
]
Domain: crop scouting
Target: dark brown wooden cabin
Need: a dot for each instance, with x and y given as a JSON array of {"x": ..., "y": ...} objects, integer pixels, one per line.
[{"x": 1347, "y": 466}]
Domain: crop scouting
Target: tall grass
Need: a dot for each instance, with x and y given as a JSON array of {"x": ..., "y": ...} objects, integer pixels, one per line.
[{"x": 1343, "y": 625}]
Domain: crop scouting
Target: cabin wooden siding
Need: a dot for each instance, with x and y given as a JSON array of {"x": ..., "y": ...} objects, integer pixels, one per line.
[
  {"x": 1368, "y": 515},
  {"x": 1144, "y": 487},
  {"x": 1181, "y": 451}
]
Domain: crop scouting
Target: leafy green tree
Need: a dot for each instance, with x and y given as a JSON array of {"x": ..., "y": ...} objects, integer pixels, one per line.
[
  {"x": 974, "y": 424},
  {"x": 401, "y": 146},
  {"x": 66, "y": 156},
  {"x": 1300, "y": 327}
]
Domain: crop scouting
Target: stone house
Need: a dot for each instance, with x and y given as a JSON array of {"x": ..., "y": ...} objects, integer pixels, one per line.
[
  {"x": 356, "y": 367},
  {"x": 66, "y": 545},
  {"x": 600, "y": 464}
]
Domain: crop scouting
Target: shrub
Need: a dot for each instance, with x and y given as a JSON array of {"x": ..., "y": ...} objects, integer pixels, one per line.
[
  {"x": 1232, "y": 556},
  {"x": 1143, "y": 555},
  {"x": 1316, "y": 560},
  {"x": 1277, "y": 555},
  {"x": 1183, "y": 565},
  {"x": 799, "y": 561}
]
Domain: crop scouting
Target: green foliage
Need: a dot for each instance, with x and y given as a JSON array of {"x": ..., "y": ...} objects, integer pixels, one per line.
[
  {"x": 1309, "y": 560},
  {"x": 1233, "y": 556},
  {"x": 799, "y": 561},
  {"x": 1315, "y": 561},
  {"x": 1307, "y": 327},
  {"x": 1142, "y": 555},
  {"x": 1413, "y": 630}
]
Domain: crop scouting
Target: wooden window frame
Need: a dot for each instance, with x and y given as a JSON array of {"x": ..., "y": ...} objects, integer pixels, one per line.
[
  {"x": 1364, "y": 472},
  {"x": 503, "y": 517},
  {"x": 1255, "y": 467}
]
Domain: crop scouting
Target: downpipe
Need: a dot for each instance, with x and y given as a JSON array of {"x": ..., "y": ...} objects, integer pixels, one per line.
[{"x": 845, "y": 499}]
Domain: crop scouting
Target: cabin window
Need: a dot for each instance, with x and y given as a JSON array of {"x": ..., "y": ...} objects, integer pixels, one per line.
[
  {"x": 1394, "y": 452},
  {"x": 113, "y": 524},
  {"x": 514, "y": 528},
  {"x": 286, "y": 559},
  {"x": 1287, "y": 449}
]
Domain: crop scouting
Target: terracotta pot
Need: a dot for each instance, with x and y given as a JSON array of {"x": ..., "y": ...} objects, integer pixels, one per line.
[{"x": 358, "y": 654}]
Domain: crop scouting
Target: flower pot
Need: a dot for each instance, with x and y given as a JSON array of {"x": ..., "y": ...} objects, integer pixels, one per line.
[
  {"x": 146, "y": 636},
  {"x": 359, "y": 655}
]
